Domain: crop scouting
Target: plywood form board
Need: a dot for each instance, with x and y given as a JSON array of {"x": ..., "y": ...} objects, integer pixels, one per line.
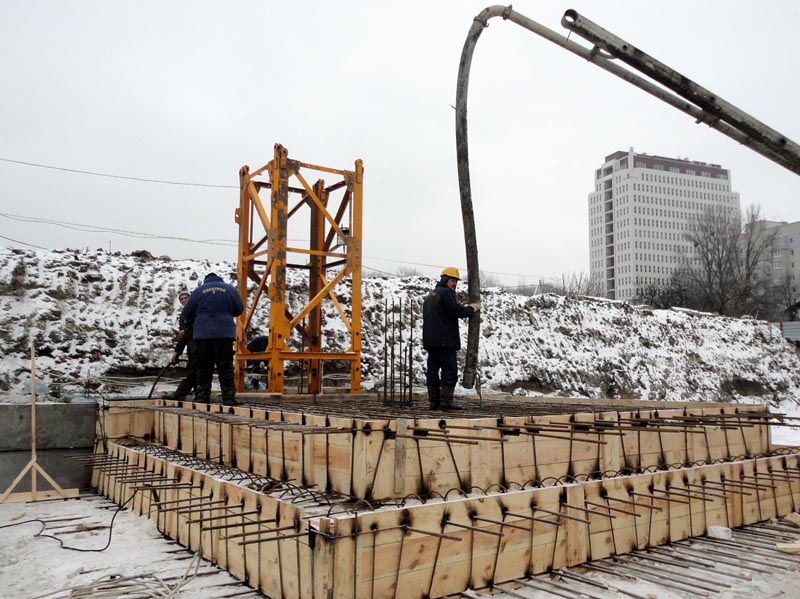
[
  {"x": 124, "y": 419},
  {"x": 340, "y": 455},
  {"x": 366, "y": 458},
  {"x": 369, "y": 442},
  {"x": 388, "y": 554},
  {"x": 256, "y": 563},
  {"x": 313, "y": 459}
]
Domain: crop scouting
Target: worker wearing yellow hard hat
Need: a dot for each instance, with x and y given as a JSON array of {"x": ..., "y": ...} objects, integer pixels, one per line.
[{"x": 441, "y": 339}]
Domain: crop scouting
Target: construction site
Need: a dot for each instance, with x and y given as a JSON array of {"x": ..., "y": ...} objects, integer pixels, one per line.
[{"x": 316, "y": 485}]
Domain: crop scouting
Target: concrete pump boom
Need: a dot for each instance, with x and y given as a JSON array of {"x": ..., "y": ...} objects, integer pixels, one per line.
[{"x": 678, "y": 90}]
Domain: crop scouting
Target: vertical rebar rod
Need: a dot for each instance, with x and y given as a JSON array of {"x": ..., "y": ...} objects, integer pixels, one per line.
[
  {"x": 394, "y": 339},
  {"x": 400, "y": 354},
  {"x": 410, "y": 352},
  {"x": 385, "y": 347}
]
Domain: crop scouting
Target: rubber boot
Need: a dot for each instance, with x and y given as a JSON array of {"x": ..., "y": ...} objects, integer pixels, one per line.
[
  {"x": 446, "y": 398},
  {"x": 203, "y": 394},
  {"x": 184, "y": 388},
  {"x": 433, "y": 396}
]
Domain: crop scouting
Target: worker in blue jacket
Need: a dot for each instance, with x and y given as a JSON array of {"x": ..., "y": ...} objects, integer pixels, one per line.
[
  {"x": 211, "y": 310},
  {"x": 441, "y": 339}
]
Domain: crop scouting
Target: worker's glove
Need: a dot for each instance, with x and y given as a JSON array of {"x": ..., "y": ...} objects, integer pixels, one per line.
[
  {"x": 475, "y": 305},
  {"x": 175, "y": 357},
  {"x": 180, "y": 335}
]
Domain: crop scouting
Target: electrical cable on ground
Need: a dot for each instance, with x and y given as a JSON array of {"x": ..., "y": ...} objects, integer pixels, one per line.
[
  {"x": 61, "y": 543},
  {"x": 143, "y": 586}
]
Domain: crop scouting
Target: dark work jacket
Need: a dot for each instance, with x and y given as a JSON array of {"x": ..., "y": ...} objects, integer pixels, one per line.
[
  {"x": 440, "y": 314},
  {"x": 258, "y": 344},
  {"x": 211, "y": 309}
]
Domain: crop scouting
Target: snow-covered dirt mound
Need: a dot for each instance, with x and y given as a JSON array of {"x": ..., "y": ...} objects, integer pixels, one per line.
[{"x": 68, "y": 302}]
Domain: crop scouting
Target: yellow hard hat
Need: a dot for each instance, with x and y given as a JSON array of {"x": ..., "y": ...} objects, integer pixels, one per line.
[{"x": 452, "y": 272}]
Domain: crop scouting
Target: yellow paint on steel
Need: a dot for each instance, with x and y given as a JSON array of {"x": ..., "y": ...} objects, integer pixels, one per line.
[{"x": 263, "y": 258}]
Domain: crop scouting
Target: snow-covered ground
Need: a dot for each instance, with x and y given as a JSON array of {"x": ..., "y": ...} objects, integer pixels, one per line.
[
  {"x": 65, "y": 303},
  {"x": 37, "y": 567}
]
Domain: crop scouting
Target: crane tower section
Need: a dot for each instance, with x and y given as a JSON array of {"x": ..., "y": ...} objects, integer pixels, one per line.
[{"x": 324, "y": 246}]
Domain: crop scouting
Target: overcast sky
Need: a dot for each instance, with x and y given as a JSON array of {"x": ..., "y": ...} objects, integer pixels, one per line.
[{"x": 191, "y": 91}]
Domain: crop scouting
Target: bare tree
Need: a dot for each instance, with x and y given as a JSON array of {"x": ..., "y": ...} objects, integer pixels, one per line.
[
  {"x": 710, "y": 270},
  {"x": 787, "y": 299},
  {"x": 408, "y": 271},
  {"x": 673, "y": 293},
  {"x": 577, "y": 283},
  {"x": 489, "y": 279},
  {"x": 726, "y": 273},
  {"x": 581, "y": 283},
  {"x": 755, "y": 291},
  {"x": 523, "y": 287}
]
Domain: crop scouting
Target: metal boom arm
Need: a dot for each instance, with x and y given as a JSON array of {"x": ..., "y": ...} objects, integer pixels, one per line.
[{"x": 689, "y": 97}]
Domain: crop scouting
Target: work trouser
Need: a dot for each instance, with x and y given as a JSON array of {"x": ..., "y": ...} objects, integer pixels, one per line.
[
  {"x": 213, "y": 353},
  {"x": 189, "y": 383},
  {"x": 444, "y": 360}
]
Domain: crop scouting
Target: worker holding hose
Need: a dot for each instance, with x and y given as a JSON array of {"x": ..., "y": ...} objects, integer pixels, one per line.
[
  {"x": 184, "y": 340},
  {"x": 441, "y": 339}
]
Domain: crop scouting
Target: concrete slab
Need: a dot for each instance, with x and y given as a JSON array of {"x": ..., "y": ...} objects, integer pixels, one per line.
[
  {"x": 62, "y": 430},
  {"x": 58, "y": 426}
]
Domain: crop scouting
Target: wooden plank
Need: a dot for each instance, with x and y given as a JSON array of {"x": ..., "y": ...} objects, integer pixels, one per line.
[
  {"x": 41, "y": 495},
  {"x": 314, "y": 448},
  {"x": 480, "y": 456},
  {"x": 399, "y": 452}
]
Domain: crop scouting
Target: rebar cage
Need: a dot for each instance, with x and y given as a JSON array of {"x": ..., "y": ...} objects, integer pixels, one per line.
[{"x": 331, "y": 258}]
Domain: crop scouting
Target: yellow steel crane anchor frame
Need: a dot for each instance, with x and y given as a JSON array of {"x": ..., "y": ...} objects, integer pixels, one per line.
[{"x": 332, "y": 258}]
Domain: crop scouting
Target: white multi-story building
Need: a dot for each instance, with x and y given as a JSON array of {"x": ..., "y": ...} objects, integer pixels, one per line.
[
  {"x": 639, "y": 212},
  {"x": 780, "y": 265}
]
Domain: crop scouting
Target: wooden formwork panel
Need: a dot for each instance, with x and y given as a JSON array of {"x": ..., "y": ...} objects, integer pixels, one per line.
[
  {"x": 442, "y": 547},
  {"x": 124, "y": 419},
  {"x": 378, "y": 459},
  {"x": 218, "y": 518}
]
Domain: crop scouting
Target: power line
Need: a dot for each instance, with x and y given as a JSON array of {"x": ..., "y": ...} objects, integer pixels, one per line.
[
  {"x": 93, "y": 229},
  {"x": 383, "y": 272},
  {"x": 220, "y": 242},
  {"x": 124, "y": 232},
  {"x": 491, "y": 272},
  {"x": 82, "y": 172},
  {"x": 23, "y": 243}
]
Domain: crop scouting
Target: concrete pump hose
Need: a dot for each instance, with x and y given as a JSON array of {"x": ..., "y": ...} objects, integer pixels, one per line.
[{"x": 462, "y": 154}]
